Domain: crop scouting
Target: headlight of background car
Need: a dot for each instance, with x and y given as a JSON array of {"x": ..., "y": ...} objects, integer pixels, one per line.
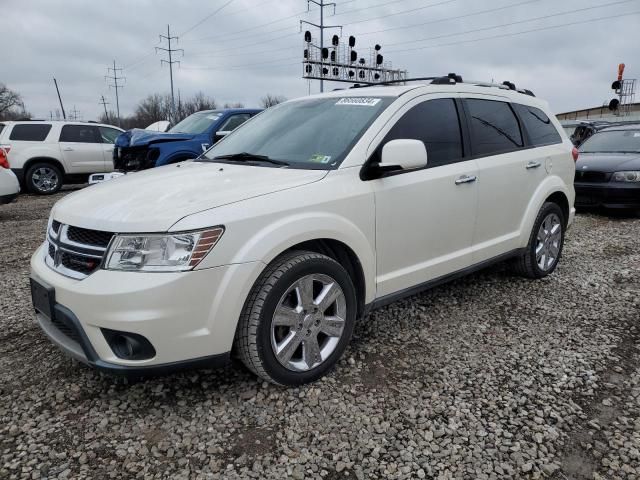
[
  {"x": 626, "y": 177},
  {"x": 163, "y": 252}
]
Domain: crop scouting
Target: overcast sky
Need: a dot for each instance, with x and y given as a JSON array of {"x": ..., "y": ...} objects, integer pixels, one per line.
[{"x": 252, "y": 47}]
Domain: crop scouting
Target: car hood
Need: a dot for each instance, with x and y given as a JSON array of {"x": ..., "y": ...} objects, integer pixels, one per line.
[
  {"x": 153, "y": 200},
  {"x": 139, "y": 138},
  {"x": 608, "y": 162}
]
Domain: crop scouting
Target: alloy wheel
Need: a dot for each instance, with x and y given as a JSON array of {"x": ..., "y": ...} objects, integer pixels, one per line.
[
  {"x": 548, "y": 242},
  {"x": 308, "y": 322},
  {"x": 45, "y": 179}
]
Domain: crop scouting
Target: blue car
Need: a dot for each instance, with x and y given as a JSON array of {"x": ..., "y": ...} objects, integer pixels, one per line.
[{"x": 139, "y": 149}]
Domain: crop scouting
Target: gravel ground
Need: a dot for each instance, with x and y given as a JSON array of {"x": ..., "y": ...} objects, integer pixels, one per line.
[{"x": 490, "y": 377}]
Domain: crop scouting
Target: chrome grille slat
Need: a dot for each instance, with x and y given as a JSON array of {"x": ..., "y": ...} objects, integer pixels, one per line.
[{"x": 72, "y": 258}]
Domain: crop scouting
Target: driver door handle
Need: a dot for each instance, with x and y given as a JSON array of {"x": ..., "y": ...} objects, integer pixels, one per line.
[
  {"x": 466, "y": 179},
  {"x": 531, "y": 165}
]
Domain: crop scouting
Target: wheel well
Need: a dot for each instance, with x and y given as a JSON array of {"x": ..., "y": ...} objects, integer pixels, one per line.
[
  {"x": 561, "y": 200},
  {"x": 346, "y": 257},
  {"x": 51, "y": 161}
]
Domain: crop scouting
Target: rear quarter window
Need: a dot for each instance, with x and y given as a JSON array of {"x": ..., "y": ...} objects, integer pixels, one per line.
[
  {"x": 538, "y": 125},
  {"x": 30, "y": 132},
  {"x": 494, "y": 127}
]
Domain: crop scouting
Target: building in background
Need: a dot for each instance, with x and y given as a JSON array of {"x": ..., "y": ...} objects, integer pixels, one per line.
[{"x": 602, "y": 113}]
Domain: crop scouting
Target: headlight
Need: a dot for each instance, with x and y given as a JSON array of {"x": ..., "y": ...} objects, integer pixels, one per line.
[
  {"x": 633, "y": 176},
  {"x": 162, "y": 252}
]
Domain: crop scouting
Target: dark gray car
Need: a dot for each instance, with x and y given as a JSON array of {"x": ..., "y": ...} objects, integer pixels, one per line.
[{"x": 608, "y": 169}]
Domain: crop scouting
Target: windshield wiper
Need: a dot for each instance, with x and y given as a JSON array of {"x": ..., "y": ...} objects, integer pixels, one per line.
[{"x": 250, "y": 157}]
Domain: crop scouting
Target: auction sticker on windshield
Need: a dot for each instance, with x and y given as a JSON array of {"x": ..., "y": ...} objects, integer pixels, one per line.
[{"x": 360, "y": 101}]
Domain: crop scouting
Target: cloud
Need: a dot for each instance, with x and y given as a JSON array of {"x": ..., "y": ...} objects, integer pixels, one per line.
[{"x": 250, "y": 47}]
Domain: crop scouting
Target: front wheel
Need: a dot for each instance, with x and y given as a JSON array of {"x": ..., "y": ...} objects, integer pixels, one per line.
[
  {"x": 43, "y": 179},
  {"x": 298, "y": 319},
  {"x": 544, "y": 249}
]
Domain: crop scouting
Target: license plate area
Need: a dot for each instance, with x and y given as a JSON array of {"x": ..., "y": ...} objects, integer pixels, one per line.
[{"x": 43, "y": 298}]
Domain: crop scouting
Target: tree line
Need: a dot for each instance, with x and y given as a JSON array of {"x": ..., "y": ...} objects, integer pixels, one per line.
[{"x": 153, "y": 108}]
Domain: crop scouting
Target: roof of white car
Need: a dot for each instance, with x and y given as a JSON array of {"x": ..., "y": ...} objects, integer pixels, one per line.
[
  {"x": 54, "y": 122},
  {"x": 398, "y": 90}
]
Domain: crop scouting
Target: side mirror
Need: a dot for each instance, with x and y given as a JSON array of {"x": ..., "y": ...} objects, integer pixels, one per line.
[
  {"x": 220, "y": 134},
  {"x": 403, "y": 154}
]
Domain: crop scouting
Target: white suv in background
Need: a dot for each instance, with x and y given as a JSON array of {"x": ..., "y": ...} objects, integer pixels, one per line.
[
  {"x": 302, "y": 220},
  {"x": 45, "y": 155}
]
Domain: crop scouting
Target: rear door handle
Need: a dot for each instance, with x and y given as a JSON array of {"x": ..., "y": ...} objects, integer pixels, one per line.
[
  {"x": 67, "y": 149},
  {"x": 466, "y": 179},
  {"x": 531, "y": 165}
]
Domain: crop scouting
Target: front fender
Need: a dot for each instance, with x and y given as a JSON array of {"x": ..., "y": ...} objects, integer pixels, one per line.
[
  {"x": 548, "y": 187},
  {"x": 266, "y": 243}
]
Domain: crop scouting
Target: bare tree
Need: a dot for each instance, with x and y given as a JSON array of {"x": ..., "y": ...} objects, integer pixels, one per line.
[
  {"x": 9, "y": 100},
  {"x": 270, "y": 100},
  {"x": 234, "y": 105}
]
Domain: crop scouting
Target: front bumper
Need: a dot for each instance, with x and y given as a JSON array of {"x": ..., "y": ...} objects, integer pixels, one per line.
[
  {"x": 608, "y": 195},
  {"x": 190, "y": 318}
]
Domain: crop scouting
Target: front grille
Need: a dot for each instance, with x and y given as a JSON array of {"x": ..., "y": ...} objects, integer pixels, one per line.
[
  {"x": 89, "y": 237},
  {"x": 129, "y": 159},
  {"x": 592, "y": 177},
  {"x": 76, "y": 252}
]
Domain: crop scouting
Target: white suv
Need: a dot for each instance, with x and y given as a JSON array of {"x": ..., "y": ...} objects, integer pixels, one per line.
[
  {"x": 319, "y": 209},
  {"x": 44, "y": 155}
]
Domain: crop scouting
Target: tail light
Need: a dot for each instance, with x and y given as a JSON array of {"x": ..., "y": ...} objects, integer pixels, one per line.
[
  {"x": 4, "y": 162},
  {"x": 575, "y": 154}
]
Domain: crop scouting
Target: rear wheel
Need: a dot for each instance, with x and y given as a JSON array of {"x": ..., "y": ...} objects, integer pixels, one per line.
[
  {"x": 298, "y": 319},
  {"x": 543, "y": 252},
  {"x": 43, "y": 179}
]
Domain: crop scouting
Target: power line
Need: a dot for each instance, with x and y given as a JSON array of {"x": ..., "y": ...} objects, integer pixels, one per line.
[
  {"x": 543, "y": 17},
  {"x": 455, "y": 17},
  {"x": 515, "y": 33},
  {"x": 115, "y": 79},
  {"x": 204, "y": 19},
  {"x": 170, "y": 62},
  {"x": 411, "y": 10}
]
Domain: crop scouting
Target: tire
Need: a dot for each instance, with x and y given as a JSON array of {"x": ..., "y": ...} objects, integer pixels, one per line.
[
  {"x": 301, "y": 321},
  {"x": 43, "y": 179},
  {"x": 532, "y": 265}
]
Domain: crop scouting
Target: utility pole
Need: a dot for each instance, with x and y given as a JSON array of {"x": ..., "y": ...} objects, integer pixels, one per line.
[
  {"x": 170, "y": 62},
  {"x": 64, "y": 115},
  {"x": 115, "y": 79},
  {"x": 104, "y": 104},
  {"x": 322, "y": 27},
  {"x": 74, "y": 114}
]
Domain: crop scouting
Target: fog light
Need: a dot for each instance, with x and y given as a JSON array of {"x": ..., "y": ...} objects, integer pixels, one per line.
[{"x": 129, "y": 346}]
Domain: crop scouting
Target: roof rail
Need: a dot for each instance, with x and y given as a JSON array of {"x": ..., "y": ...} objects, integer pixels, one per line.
[{"x": 450, "y": 79}]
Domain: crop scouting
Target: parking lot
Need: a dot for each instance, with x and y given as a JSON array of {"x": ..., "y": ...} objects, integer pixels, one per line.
[{"x": 491, "y": 376}]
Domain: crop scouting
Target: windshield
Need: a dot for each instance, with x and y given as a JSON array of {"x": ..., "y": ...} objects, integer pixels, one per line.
[
  {"x": 196, "y": 123},
  {"x": 315, "y": 133},
  {"x": 617, "y": 141}
]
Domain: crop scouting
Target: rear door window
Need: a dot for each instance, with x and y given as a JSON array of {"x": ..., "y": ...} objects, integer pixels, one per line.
[
  {"x": 494, "y": 127},
  {"x": 436, "y": 124},
  {"x": 80, "y": 134},
  {"x": 108, "y": 134},
  {"x": 30, "y": 132},
  {"x": 538, "y": 125}
]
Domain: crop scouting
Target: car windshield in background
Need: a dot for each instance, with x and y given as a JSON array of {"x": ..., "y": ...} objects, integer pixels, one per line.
[
  {"x": 196, "y": 123},
  {"x": 312, "y": 133},
  {"x": 613, "y": 141}
]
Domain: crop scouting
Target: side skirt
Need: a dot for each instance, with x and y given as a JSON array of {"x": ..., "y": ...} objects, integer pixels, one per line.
[{"x": 407, "y": 292}]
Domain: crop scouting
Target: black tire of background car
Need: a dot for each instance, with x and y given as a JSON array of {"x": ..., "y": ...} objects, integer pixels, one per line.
[
  {"x": 526, "y": 265},
  {"x": 32, "y": 188},
  {"x": 253, "y": 335}
]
